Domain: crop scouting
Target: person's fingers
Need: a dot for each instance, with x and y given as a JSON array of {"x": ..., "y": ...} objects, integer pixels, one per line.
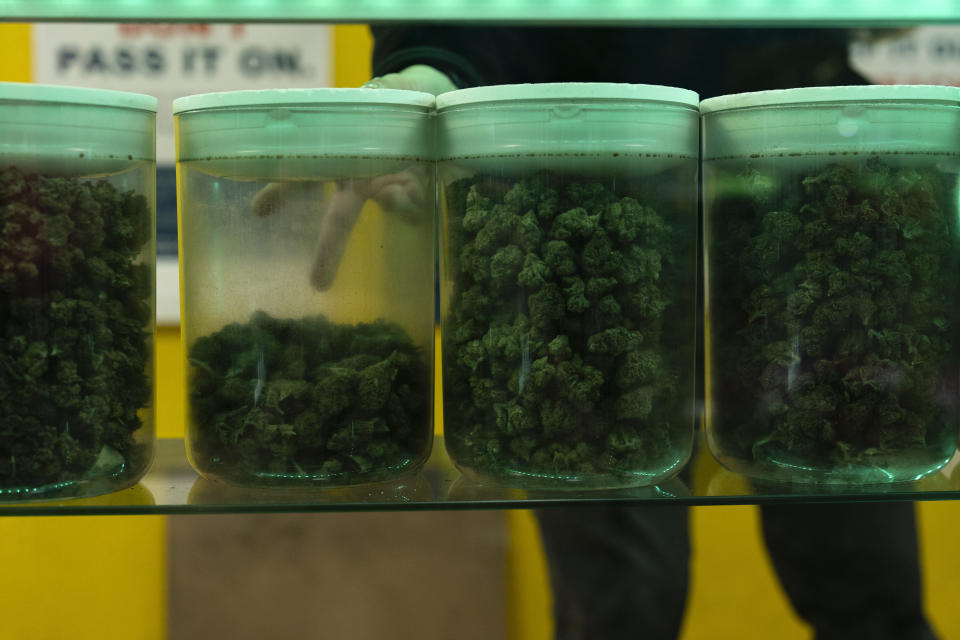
[
  {"x": 402, "y": 194},
  {"x": 278, "y": 196},
  {"x": 342, "y": 212},
  {"x": 418, "y": 77},
  {"x": 401, "y": 200},
  {"x": 266, "y": 201}
]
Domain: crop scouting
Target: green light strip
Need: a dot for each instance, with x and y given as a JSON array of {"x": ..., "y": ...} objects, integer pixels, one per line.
[{"x": 678, "y": 12}]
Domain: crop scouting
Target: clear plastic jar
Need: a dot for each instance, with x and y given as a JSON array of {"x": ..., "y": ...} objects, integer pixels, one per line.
[
  {"x": 307, "y": 260},
  {"x": 77, "y": 256},
  {"x": 568, "y": 271},
  {"x": 832, "y": 262}
]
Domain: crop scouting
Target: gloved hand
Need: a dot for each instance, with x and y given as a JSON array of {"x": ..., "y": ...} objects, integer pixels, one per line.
[
  {"x": 402, "y": 193},
  {"x": 418, "y": 77}
]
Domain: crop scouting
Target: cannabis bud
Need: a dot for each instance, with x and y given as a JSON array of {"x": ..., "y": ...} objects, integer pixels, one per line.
[
  {"x": 74, "y": 339},
  {"x": 568, "y": 343},
  {"x": 834, "y": 321},
  {"x": 291, "y": 400}
]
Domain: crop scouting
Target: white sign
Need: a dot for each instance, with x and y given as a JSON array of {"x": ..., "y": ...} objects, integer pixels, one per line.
[
  {"x": 925, "y": 55},
  {"x": 173, "y": 60}
]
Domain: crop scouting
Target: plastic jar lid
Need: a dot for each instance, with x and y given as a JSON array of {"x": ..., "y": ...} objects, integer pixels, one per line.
[
  {"x": 26, "y": 92},
  {"x": 74, "y": 130},
  {"x": 303, "y": 97},
  {"x": 802, "y": 125},
  {"x": 304, "y": 134},
  {"x": 933, "y": 94},
  {"x": 584, "y": 128},
  {"x": 565, "y": 91}
]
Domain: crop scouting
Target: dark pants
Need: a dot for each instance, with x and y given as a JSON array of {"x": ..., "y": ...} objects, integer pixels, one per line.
[{"x": 850, "y": 570}]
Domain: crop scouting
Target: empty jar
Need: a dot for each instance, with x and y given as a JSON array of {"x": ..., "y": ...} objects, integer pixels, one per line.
[
  {"x": 307, "y": 260},
  {"x": 77, "y": 255},
  {"x": 568, "y": 278},
  {"x": 832, "y": 276}
]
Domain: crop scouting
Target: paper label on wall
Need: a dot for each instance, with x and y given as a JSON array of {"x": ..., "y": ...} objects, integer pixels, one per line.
[
  {"x": 924, "y": 55},
  {"x": 174, "y": 60}
]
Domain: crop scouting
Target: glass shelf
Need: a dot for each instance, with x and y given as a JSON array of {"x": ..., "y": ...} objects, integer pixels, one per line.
[
  {"x": 621, "y": 12},
  {"x": 173, "y": 487}
]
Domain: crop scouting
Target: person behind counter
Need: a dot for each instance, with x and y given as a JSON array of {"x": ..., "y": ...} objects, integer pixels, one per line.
[{"x": 850, "y": 570}]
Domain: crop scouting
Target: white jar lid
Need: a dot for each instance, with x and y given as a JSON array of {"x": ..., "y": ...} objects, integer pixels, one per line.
[
  {"x": 554, "y": 91},
  {"x": 75, "y": 131},
  {"x": 304, "y": 134},
  {"x": 27, "y": 92},
  {"x": 858, "y": 93},
  {"x": 802, "y": 126},
  {"x": 582, "y": 128},
  {"x": 275, "y": 97}
]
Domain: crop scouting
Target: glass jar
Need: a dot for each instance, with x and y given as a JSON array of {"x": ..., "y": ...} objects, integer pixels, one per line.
[
  {"x": 307, "y": 261},
  {"x": 830, "y": 230},
  {"x": 77, "y": 256},
  {"x": 568, "y": 278}
]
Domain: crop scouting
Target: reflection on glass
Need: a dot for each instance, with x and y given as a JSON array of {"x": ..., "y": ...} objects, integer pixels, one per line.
[
  {"x": 136, "y": 496},
  {"x": 465, "y": 489},
  {"x": 414, "y": 488}
]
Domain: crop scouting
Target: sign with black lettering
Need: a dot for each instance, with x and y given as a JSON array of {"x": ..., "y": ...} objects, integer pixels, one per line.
[
  {"x": 924, "y": 55},
  {"x": 173, "y": 60}
]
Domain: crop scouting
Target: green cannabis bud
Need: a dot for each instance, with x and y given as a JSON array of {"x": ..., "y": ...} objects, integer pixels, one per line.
[
  {"x": 74, "y": 340},
  {"x": 568, "y": 345},
  {"x": 278, "y": 401},
  {"x": 834, "y": 319}
]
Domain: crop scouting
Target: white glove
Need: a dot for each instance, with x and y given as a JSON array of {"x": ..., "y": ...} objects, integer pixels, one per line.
[{"x": 418, "y": 77}]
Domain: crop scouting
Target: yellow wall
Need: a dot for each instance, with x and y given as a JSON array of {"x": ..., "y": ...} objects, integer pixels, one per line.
[
  {"x": 939, "y": 523},
  {"x": 15, "y": 50},
  {"x": 171, "y": 409},
  {"x": 82, "y": 578},
  {"x": 352, "y": 45}
]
